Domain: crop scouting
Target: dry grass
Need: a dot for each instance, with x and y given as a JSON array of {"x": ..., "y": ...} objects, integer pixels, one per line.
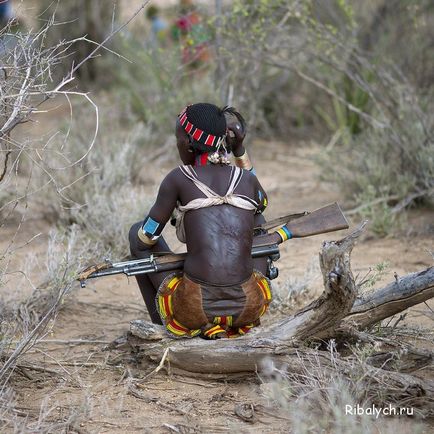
[
  {"x": 295, "y": 290},
  {"x": 27, "y": 169},
  {"x": 317, "y": 398},
  {"x": 103, "y": 196},
  {"x": 46, "y": 421}
]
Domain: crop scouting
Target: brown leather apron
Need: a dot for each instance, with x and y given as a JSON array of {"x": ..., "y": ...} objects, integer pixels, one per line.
[{"x": 189, "y": 307}]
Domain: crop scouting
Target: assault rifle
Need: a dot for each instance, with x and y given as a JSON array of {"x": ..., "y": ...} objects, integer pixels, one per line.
[{"x": 327, "y": 219}]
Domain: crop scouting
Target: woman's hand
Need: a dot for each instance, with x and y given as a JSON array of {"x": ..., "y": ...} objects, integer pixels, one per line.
[{"x": 235, "y": 138}]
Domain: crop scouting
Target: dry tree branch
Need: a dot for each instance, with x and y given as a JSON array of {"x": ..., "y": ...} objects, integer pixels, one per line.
[
  {"x": 399, "y": 295},
  {"x": 21, "y": 113},
  {"x": 382, "y": 375},
  {"x": 27, "y": 71},
  {"x": 5, "y": 165},
  {"x": 318, "y": 319}
]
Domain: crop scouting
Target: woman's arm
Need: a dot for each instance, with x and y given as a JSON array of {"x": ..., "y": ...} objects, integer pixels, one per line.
[{"x": 160, "y": 212}]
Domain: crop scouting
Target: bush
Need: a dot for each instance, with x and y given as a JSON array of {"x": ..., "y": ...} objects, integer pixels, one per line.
[
  {"x": 313, "y": 73},
  {"x": 102, "y": 195},
  {"x": 154, "y": 86},
  {"x": 26, "y": 170},
  {"x": 385, "y": 168}
]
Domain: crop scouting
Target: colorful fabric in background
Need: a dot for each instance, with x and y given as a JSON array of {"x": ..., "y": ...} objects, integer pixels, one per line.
[
  {"x": 189, "y": 308},
  {"x": 193, "y": 37},
  {"x": 159, "y": 27}
]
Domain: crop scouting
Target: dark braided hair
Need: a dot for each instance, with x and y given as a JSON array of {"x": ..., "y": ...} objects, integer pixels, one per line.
[{"x": 212, "y": 120}]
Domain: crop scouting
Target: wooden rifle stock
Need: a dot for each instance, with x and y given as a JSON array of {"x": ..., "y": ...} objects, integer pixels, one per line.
[{"x": 326, "y": 219}]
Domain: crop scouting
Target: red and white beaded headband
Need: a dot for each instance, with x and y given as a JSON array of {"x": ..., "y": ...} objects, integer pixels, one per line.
[{"x": 198, "y": 134}]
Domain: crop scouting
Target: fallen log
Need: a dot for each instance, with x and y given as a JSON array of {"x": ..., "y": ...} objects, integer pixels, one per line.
[
  {"x": 323, "y": 315},
  {"x": 388, "y": 353},
  {"x": 245, "y": 354},
  {"x": 332, "y": 313},
  {"x": 405, "y": 292},
  {"x": 320, "y": 319}
]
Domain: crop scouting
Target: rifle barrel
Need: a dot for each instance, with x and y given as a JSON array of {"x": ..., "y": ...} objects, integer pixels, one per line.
[
  {"x": 261, "y": 251},
  {"x": 136, "y": 267},
  {"x": 326, "y": 219}
]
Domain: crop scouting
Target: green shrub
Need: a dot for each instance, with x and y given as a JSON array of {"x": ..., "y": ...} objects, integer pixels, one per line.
[
  {"x": 300, "y": 66},
  {"x": 154, "y": 86}
]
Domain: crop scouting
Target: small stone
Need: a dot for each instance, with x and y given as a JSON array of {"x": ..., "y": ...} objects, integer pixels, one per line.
[{"x": 146, "y": 330}]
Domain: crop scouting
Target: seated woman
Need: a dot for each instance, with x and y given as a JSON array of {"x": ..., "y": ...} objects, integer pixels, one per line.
[{"x": 221, "y": 291}]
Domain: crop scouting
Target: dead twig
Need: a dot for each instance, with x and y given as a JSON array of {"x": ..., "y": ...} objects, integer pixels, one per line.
[
  {"x": 160, "y": 366},
  {"x": 137, "y": 394},
  {"x": 73, "y": 341},
  {"x": 37, "y": 368}
]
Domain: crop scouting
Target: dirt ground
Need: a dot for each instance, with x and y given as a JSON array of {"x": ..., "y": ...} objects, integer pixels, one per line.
[{"x": 92, "y": 382}]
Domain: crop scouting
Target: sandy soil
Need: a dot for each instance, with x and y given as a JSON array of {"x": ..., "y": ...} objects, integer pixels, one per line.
[{"x": 92, "y": 381}]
